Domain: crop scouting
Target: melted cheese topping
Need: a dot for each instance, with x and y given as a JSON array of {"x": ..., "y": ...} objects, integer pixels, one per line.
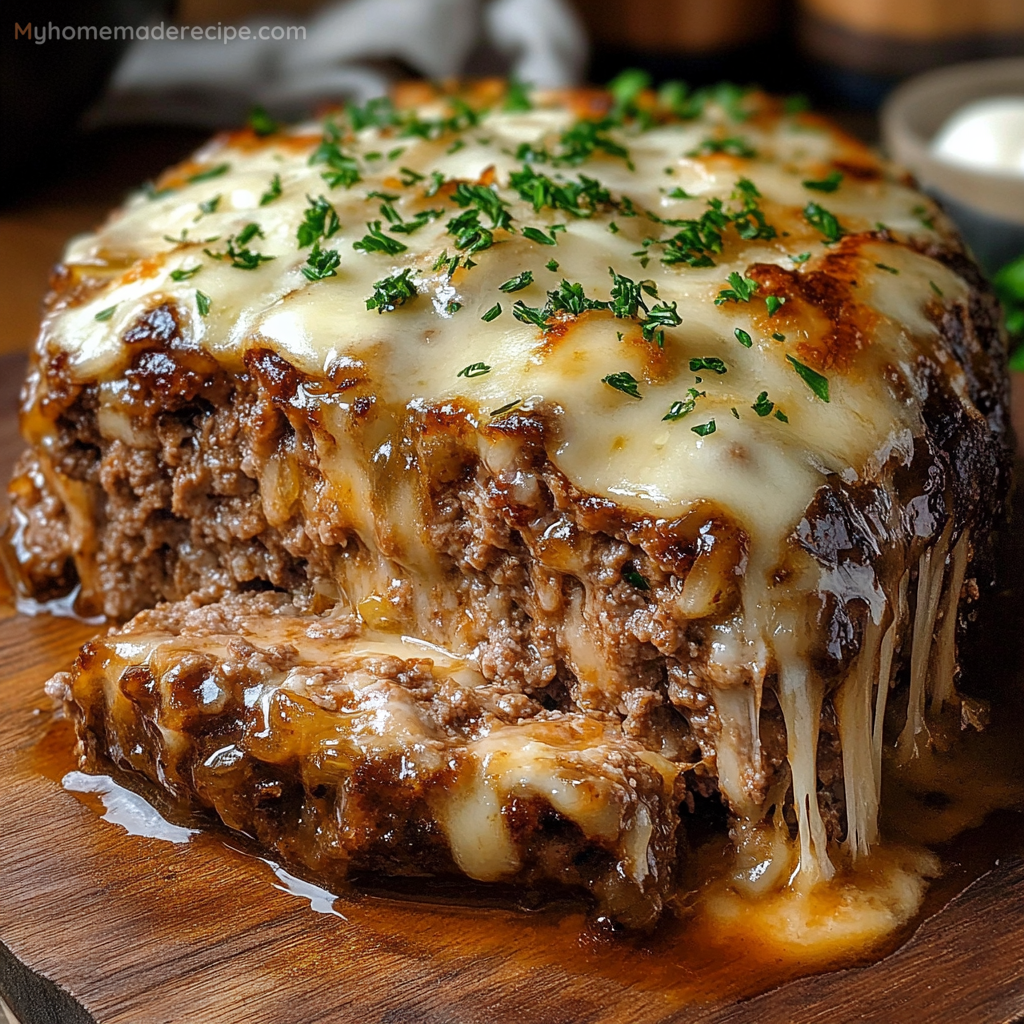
[
  {"x": 860, "y": 313},
  {"x": 762, "y": 470}
]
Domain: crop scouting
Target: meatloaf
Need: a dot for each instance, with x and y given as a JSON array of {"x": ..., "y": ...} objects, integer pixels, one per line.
[{"x": 679, "y": 420}]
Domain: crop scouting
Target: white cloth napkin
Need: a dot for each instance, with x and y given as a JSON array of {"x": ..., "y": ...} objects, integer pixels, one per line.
[{"x": 352, "y": 50}]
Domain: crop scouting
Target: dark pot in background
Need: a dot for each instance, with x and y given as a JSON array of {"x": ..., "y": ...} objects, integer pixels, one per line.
[{"x": 45, "y": 87}]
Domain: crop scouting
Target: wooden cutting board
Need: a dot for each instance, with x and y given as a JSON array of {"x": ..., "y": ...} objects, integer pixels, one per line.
[{"x": 100, "y": 926}]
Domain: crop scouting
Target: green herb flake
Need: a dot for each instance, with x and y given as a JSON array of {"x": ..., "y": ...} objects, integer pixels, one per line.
[
  {"x": 761, "y": 404},
  {"x": 508, "y": 407},
  {"x": 935, "y": 288},
  {"x": 377, "y": 241},
  {"x": 210, "y": 172},
  {"x": 536, "y": 235},
  {"x": 474, "y": 370},
  {"x": 679, "y": 409},
  {"x": 106, "y": 314},
  {"x": 731, "y": 146},
  {"x": 517, "y": 97},
  {"x": 456, "y": 146},
  {"x": 552, "y": 265},
  {"x": 778, "y": 336},
  {"x": 774, "y": 303},
  {"x": 926, "y": 219},
  {"x": 391, "y": 292},
  {"x": 827, "y": 184},
  {"x": 241, "y": 257},
  {"x": 625, "y": 382},
  {"x": 492, "y": 314},
  {"x": 261, "y": 123},
  {"x": 887, "y": 268},
  {"x": 703, "y": 429},
  {"x": 273, "y": 192},
  {"x": 184, "y": 274},
  {"x": 680, "y": 193},
  {"x": 814, "y": 380},
  {"x": 781, "y": 416},
  {"x": 634, "y": 578},
  {"x": 743, "y": 338},
  {"x": 517, "y": 283},
  {"x": 319, "y": 220},
  {"x": 712, "y": 363},
  {"x": 801, "y": 258},
  {"x": 203, "y": 303},
  {"x": 321, "y": 263},
  {"x": 210, "y": 205},
  {"x": 742, "y": 290},
  {"x": 818, "y": 217}
]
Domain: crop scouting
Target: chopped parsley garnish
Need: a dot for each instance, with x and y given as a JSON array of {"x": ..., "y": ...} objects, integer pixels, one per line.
[
  {"x": 409, "y": 176},
  {"x": 634, "y": 578},
  {"x": 508, "y": 407},
  {"x": 391, "y": 292},
  {"x": 342, "y": 169},
  {"x": 272, "y": 192},
  {"x": 202, "y": 303},
  {"x": 779, "y": 337},
  {"x": 552, "y": 265},
  {"x": 774, "y": 303},
  {"x": 581, "y": 198},
  {"x": 613, "y": 227},
  {"x": 935, "y": 288},
  {"x": 320, "y": 220},
  {"x": 749, "y": 220},
  {"x": 827, "y": 184},
  {"x": 396, "y": 223},
  {"x": 761, "y": 404},
  {"x": 743, "y": 338},
  {"x": 820, "y": 218},
  {"x": 210, "y": 172},
  {"x": 456, "y": 146},
  {"x": 581, "y": 140},
  {"x": 887, "y": 268},
  {"x": 623, "y": 381},
  {"x": 662, "y": 315},
  {"x": 261, "y": 122},
  {"x": 569, "y": 298},
  {"x": 378, "y": 112},
  {"x": 321, "y": 263},
  {"x": 813, "y": 379},
  {"x": 734, "y": 412},
  {"x": 453, "y": 307},
  {"x": 530, "y": 314},
  {"x": 377, "y": 241},
  {"x": 492, "y": 314},
  {"x": 926, "y": 219},
  {"x": 106, "y": 314},
  {"x": 183, "y": 274},
  {"x": 517, "y": 283},
  {"x": 712, "y": 363},
  {"x": 680, "y": 193},
  {"x": 802, "y": 257},
  {"x": 703, "y": 429},
  {"x": 731, "y": 146},
  {"x": 248, "y": 233},
  {"x": 742, "y": 290},
  {"x": 241, "y": 257},
  {"x": 679, "y": 409},
  {"x": 781, "y": 416},
  {"x": 536, "y": 235},
  {"x": 210, "y": 205},
  {"x": 474, "y": 370},
  {"x": 517, "y": 97},
  {"x": 469, "y": 232}
]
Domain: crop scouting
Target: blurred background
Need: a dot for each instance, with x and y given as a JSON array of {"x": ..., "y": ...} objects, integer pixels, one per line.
[{"x": 88, "y": 118}]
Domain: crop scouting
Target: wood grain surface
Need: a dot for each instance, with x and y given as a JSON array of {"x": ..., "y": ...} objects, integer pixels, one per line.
[{"x": 101, "y": 926}]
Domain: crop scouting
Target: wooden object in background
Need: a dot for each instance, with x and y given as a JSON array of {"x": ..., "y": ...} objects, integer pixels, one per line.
[
  {"x": 900, "y": 37},
  {"x": 678, "y": 26}
]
